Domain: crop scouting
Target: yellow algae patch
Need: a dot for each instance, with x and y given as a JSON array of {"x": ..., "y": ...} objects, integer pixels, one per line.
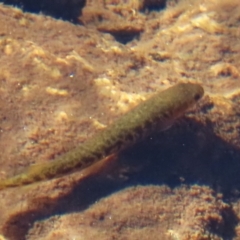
[
  {"x": 184, "y": 28},
  {"x": 97, "y": 124},
  {"x": 8, "y": 49},
  {"x": 124, "y": 100},
  {"x": 26, "y": 91},
  {"x": 86, "y": 65},
  {"x": 233, "y": 93},
  {"x": 106, "y": 87},
  {"x": 204, "y": 22},
  {"x": 189, "y": 18},
  {"x": 9, "y": 45},
  {"x": 38, "y": 55},
  {"x": 116, "y": 49},
  {"x": 33, "y": 50},
  {"x": 76, "y": 57},
  {"x": 62, "y": 60},
  {"x": 62, "y": 116},
  {"x": 173, "y": 234},
  {"x": 128, "y": 100},
  {"x": 102, "y": 81},
  {"x": 224, "y": 69},
  {"x": 2, "y": 237},
  {"x": 177, "y": 28},
  {"x": 53, "y": 71},
  {"x": 55, "y": 91},
  {"x": 23, "y": 21},
  {"x": 111, "y": 49}
]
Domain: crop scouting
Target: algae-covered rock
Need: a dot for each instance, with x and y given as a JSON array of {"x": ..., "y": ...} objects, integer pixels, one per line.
[{"x": 61, "y": 83}]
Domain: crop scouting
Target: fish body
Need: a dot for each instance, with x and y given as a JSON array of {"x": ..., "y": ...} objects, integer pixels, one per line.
[{"x": 156, "y": 113}]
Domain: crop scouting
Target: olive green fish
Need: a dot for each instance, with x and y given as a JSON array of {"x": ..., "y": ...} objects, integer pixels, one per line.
[{"x": 156, "y": 113}]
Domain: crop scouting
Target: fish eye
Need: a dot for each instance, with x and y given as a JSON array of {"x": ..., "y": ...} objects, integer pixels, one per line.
[{"x": 197, "y": 96}]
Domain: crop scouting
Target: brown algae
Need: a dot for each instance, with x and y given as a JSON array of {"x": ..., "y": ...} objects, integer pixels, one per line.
[{"x": 156, "y": 113}]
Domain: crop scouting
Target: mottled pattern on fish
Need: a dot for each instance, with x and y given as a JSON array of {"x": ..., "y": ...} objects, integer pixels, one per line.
[{"x": 156, "y": 113}]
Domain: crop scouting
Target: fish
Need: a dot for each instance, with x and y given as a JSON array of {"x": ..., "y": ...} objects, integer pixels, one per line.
[{"x": 157, "y": 113}]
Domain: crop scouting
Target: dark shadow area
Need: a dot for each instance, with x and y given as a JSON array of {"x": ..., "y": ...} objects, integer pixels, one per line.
[
  {"x": 62, "y": 9},
  {"x": 123, "y": 36},
  {"x": 188, "y": 153},
  {"x": 154, "y": 5}
]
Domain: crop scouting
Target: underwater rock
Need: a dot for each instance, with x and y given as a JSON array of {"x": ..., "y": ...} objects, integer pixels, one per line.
[{"x": 144, "y": 212}]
